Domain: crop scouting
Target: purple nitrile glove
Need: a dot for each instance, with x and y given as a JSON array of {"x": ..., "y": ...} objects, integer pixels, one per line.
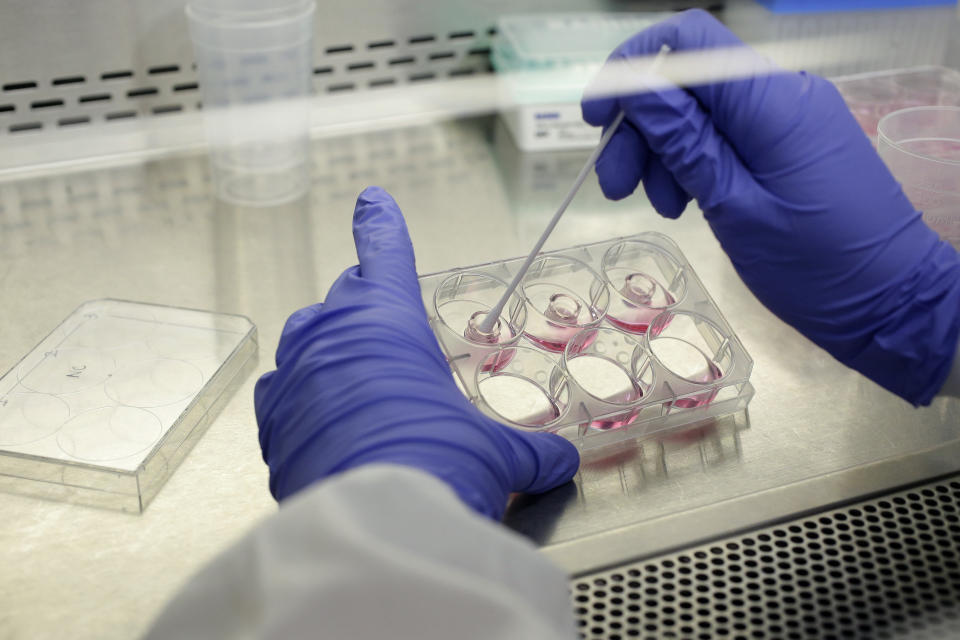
[
  {"x": 810, "y": 216},
  {"x": 360, "y": 379}
]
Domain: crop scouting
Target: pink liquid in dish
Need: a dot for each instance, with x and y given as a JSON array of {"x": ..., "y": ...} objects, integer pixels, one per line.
[
  {"x": 615, "y": 422},
  {"x": 606, "y": 380},
  {"x": 711, "y": 374},
  {"x": 562, "y": 322},
  {"x": 644, "y": 300},
  {"x": 497, "y": 361},
  {"x": 500, "y": 333}
]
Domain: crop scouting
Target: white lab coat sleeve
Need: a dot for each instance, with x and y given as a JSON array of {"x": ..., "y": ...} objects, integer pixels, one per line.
[{"x": 377, "y": 552}]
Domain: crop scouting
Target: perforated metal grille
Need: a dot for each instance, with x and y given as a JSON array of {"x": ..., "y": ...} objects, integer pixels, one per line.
[{"x": 884, "y": 568}]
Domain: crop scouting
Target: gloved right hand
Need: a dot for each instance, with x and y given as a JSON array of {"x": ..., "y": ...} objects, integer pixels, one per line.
[{"x": 810, "y": 216}]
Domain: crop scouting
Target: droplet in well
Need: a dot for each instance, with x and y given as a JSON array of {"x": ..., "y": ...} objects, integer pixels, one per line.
[
  {"x": 639, "y": 288},
  {"x": 563, "y": 308}
]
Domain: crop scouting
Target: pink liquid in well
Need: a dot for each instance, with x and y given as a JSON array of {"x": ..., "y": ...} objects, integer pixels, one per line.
[
  {"x": 544, "y": 417},
  {"x": 615, "y": 422},
  {"x": 645, "y": 299},
  {"x": 500, "y": 333},
  {"x": 497, "y": 361},
  {"x": 711, "y": 374},
  {"x": 561, "y": 324},
  {"x": 557, "y": 343},
  {"x": 632, "y": 327},
  {"x": 558, "y": 338},
  {"x": 624, "y": 391}
]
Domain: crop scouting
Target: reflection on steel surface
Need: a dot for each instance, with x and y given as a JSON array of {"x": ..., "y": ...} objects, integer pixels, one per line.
[{"x": 624, "y": 478}]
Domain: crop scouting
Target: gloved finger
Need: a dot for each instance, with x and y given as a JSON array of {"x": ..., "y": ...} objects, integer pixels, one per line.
[
  {"x": 666, "y": 196},
  {"x": 599, "y": 109},
  {"x": 383, "y": 243},
  {"x": 300, "y": 324},
  {"x": 297, "y": 324},
  {"x": 738, "y": 106},
  {"x": 545, "y": 461},
  {"x": 688, "y": 30},
  {"x": 621, "y": 163},
  {"x": 683, "y": 136}
]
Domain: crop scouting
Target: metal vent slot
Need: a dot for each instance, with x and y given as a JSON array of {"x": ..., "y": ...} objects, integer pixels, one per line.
[
  {"x": 69, "y": 80},
  {"x": 883, "y": 568},
  {"x": 105, "y": 96},
  {"x": 18, "y": 86},
  {"x": 114, "y": 75},
  {"x": 105, "y": 92},
  {"x": 169, "y": 68}
]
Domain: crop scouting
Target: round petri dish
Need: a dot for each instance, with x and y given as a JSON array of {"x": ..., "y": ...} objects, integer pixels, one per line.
[
  {"x": 692, "y": 348},
  {"x": 154, "y": 383},
  {"x": 564, "y": 296},
  {"x": 921, "y": 147},
  {"x": 613, "y": 369},
  {"x": 109, "y": 433},
  {"x": 645, "y": 280},
  {"x": 28, "y": 417},
  {"x": 529, "y": 390},
  {"x": 67, "y": 370}
]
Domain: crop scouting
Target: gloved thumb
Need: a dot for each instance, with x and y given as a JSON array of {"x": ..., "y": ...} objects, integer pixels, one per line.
[
  {"x": 545, "y": 461},
  {"x": 679, "y": 131},
  {"x": 383, "y": 243}
]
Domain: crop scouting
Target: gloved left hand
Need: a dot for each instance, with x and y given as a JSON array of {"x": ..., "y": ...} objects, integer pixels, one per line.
[{"x": 361, "y": 379}]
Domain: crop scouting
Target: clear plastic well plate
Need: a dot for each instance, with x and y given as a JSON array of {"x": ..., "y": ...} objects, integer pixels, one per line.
[
  {"x": 106, "y": 406},
  {"x": 600, "y": 343}
]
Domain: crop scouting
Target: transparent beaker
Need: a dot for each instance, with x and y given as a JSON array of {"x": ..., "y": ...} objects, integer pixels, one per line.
[
  {"x": 921, "y": 147},
  {"x": 645, "y": 281},
  {"x": 255, "y": 63},
  {"x": 564, "y": 296}
]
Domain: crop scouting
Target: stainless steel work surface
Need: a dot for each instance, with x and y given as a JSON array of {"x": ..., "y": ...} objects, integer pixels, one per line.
[{"x": 149, "y": 231}]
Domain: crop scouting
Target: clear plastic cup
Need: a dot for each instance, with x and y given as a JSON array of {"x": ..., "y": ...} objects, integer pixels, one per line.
[
  {"x": 255, "y": 65},
  {"x": 921, "y": 146}
]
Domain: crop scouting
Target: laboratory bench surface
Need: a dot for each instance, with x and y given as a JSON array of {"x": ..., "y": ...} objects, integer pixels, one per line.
[{"x": 815, "y": 433}]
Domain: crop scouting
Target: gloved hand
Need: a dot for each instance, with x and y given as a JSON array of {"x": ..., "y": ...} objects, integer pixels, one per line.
[
  {"x": 808, "y": 213},
  {"x": 361, "y": 379}
]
